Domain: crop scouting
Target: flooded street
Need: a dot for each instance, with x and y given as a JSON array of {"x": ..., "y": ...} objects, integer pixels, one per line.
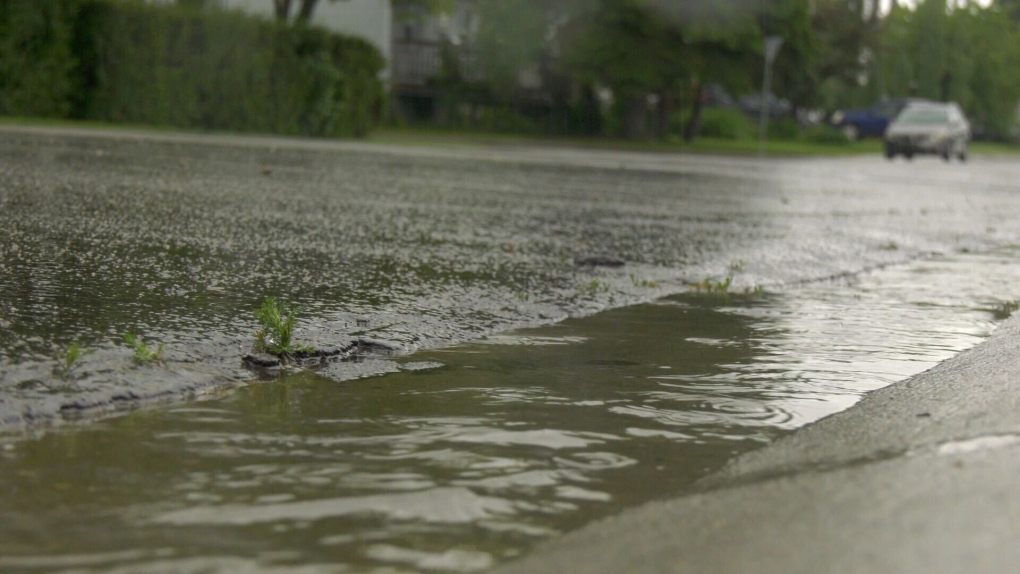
[
  {"x": 474, "y": 453},
  {"x": 177, "y": 239},
  {"x": 508, "y": 389}
]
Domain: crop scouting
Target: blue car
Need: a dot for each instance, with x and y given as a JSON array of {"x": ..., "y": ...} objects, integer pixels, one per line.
[{"x": 872, "y": 121}]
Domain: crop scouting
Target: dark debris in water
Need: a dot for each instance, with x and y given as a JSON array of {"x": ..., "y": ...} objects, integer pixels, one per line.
[
  {"x": 420, "y": 366},
  {"x": 598, "y": 261},
  {"x": 318, "y": 358},
  {"x": 263, "y": 360}
]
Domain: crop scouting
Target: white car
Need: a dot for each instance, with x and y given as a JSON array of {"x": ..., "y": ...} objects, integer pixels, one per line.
[{"x": 928, "y": 128}]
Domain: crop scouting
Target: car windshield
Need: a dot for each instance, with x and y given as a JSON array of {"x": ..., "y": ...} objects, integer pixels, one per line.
[{"x": 923, "y": 116}]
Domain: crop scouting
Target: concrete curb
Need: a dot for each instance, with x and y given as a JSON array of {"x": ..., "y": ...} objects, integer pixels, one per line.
[{"x": 918, "y": 477}]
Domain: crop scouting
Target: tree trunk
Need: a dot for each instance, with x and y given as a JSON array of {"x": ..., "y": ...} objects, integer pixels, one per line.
[
  {"x": 634, "y": 120},
  {"x": 305, "y": 13},
  {"x": 590, "y": 112},
  {"x": 693, "y": 129},
  {"x": 282, "y": 10},
  {"x": 663, "y": 110}
]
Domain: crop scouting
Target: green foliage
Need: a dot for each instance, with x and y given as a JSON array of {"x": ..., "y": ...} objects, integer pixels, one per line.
[
  {"x": 71, "y": 360},
  {"x": 277, "y": 321},
  {"x": 784, "y": 129},
  {"x": 647, "y": 283},
  {"x": 593, "y": 287},
  {"x": 720, "y": 290},
  {"x": 143, "y": 353},
  {"x": 511, "y": 36},
  {"x": 36, "y": 61},
  {"x": 726, "y": 124},
  {"x": 1006, "y": 310},
  {"x": 718, "y": 123},
  {"x": 825, "y": 134},
  {"x": 709, "y": 286},
  {"x": 670, "y": 49},
  {"x": 178, "y": 66},
  {"x": 964, "y": 54},
  {"x": 222, "y": 71}
]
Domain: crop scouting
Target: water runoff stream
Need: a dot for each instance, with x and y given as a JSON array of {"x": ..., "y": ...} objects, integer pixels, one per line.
[{"x": 473, "y": 454}]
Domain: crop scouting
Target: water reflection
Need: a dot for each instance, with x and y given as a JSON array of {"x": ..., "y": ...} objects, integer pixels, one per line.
[{"x": 475, "y": 453}]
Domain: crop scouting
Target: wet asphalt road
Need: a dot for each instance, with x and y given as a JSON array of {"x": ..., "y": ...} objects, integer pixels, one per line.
[{"x": 178, "y": 238}]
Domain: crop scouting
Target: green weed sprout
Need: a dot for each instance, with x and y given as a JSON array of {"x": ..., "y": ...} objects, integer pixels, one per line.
[
  {"x": 643, "y": 282},
  {"x": 71, "y": 360},
  {"x": 143, "y": 353},
  {"x": 1006, "y": 310},
  {"x": 593, "y": 287},
  {"x": 276, "y": 334},
  {"x": 709, "y": 286}
]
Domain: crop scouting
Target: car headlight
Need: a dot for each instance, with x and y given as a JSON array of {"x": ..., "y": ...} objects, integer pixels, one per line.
[{"x": 837, "y": 117}]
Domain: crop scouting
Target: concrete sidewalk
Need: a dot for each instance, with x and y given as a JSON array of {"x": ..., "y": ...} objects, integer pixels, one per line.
[{"x": 921, "y": 476}]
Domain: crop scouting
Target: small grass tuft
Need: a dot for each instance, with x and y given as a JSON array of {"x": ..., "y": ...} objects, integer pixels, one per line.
[
  {"x": 276, "y": 334},
  {"x": 713, "y": 287},
  {"x": 71, "y": 360},
  {"x": 647, "y": 283},
  {"x": 594, "y": 286},
  {"x": 1006, "y": 309},
  {"x": 757, "y": 290},
  {"x": 143, "y": 353}
]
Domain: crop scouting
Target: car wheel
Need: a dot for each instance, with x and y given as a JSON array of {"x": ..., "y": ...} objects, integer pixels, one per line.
[
  {"x": 890, "y": 151},
  {"x": 851, "y": 132},
  {"x": 945, "y": 152},
  {"x": 908, "y": 154}
]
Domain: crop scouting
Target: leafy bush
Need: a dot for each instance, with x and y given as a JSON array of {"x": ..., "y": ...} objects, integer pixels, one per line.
[
  {"x": 36, "y": 62},
  {"x": 167, "y": 65},
  {"x": 726, "y": 124},
  {"x": 825, "y": 134},
  {"x": 784, "y": 129},
  {"x": 722, "y": 123},
  {"x": 224, "y": 71}
]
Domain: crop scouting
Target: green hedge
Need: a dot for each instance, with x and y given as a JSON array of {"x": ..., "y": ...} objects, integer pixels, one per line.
[
  {"x": 722, "y": 123},
  {"x": 36, "y": 62},
  {"x": 216, "y": 70}
]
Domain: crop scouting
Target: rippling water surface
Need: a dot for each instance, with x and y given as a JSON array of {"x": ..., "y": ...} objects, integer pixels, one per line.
[{"x": 472, "y": 454}]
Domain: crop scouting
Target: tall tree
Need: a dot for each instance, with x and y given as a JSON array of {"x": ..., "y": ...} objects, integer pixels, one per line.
[
  {"x": 1010, "y": 7},
  {"x": 966, "y": 54},
  {"x": 512, "y": 35},
  {"x": 659, "y": 51},
  {"x": 284, "y": 10}
]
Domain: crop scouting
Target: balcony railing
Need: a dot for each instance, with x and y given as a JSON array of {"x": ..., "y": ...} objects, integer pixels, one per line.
[{"x": 415, "y": 63}]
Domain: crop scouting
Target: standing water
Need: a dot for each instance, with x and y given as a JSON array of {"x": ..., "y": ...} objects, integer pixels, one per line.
[{"x": 472, "y": 454}]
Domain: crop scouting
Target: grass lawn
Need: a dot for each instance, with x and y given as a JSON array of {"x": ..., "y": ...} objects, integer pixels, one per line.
[
  {"x": 451, "y": 138},
  {"x": 713, "y": 146},
  {"x": 413, "y": 136}
]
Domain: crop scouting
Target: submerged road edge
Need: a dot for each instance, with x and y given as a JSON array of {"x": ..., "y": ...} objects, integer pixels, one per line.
[{"x": 919, "y": 476}]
